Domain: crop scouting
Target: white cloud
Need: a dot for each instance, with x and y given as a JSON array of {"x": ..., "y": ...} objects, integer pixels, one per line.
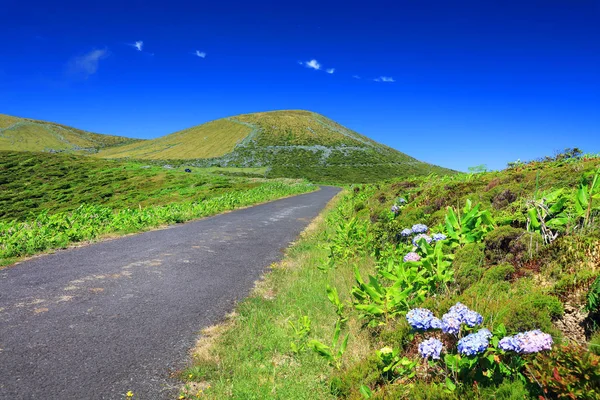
[
  {"x": 314, "y": 64},
  {"x": 384, "y": 79},
  {"x": 138, "y": 45},
  {"x": 331, "y": 70},
  {"x": 87, "y": 64},
  {"x": 356, "y": 76},
  {"x": 200, "y": 54}
]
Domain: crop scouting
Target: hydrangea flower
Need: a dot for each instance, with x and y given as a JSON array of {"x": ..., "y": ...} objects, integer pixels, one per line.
[
  {"x": 406, "y": 232},
  {"x": 400, "y": 200},
  {"x": 485, "y": 333},
  {"x": 395, "y": 209},
  {"x": 527, "y": 342},
  {"x": 420, "y": 318},
  {"x": 419, "y": 228},
  {"x": 451, "y": 323},
  {"x": 439, "y": 237},
  {"x": 472, "y": 318},
  {"x": 430, "y": 348},
  {"x": 435, "y": 323},
  {"x": 472, "y": 344},
  {"x": 419, "y": 237},
  {"x": 509, "y": 343},
  {"x": 412, "y": 256},
  {"x": 460, "y": 310}
]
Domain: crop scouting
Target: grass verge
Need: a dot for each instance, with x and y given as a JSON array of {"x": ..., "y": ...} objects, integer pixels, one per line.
[{"x": 250, "y": 357}]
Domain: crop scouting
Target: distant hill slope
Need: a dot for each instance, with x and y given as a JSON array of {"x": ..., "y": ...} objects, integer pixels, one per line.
[
  {"x": 22, "y": 134},
  {"x": 291, "y": 143}
]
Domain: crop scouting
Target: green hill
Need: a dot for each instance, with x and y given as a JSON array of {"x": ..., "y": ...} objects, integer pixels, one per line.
[
  {"x": 23, "y": 134},
  {"x": 294, "y": 143}
]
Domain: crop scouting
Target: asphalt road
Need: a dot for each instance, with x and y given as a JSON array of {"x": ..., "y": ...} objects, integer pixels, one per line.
[{"x": 97, "y": 321}]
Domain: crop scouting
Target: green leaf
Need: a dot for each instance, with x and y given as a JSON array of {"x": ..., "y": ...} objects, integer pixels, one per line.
[
  {"x": 366, "y": 392},
  {"x": 450, "y": 385}
]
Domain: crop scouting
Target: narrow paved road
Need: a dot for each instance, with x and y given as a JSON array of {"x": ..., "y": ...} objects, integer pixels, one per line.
[{"x": 97, "y": 321}]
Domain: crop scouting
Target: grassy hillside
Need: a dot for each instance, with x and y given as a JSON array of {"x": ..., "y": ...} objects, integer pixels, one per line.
[
  {"x": 296, "y": 144},
  {"x": 520, "y": 248},
  {"x": 50, "y": 200},
  {"x": 34, "y": 182},
  {"x": 212, "y": 139},
  {"x": 22, "y": 134}
]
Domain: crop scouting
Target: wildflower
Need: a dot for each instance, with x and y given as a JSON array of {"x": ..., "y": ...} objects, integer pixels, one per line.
[
  {"x": 437, "y": 237},
  {"x": 420, "y": 236},
  {"x": 129, "y": 394},
  {"x": 472, "y": 344},
  {"x": 451, "y": 323},
  {"x": 406, "y": 232},
  {"x": 412, "y": 256},
  {"x": 472, "y": 318},
  {"x": 430, "y": 348},
  {"x": 419, "y": 228},
  {"x": 401, "y": 201},
  {"x": 395, "y": 209},
  {"x": 527, "y": 342},
  {"x": 420, "y": 318}
]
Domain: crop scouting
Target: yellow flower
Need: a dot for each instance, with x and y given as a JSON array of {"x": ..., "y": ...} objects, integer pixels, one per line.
[
  {"x": 190, "y": 375},
  {"x": 181, "y": 397},
  {"x": 130, "y": 394}
]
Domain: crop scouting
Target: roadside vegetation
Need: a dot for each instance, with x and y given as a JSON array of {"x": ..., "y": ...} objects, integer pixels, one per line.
[
  {"x": 471, "y": 286},
  {"x": 48, "y": 201}
]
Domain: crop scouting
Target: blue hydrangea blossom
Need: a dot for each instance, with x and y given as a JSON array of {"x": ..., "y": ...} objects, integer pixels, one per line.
[
  {"x": 412, "y": 256},
  {"x": 420, "y": 318},
  {"x": 451, "y": 323},
  {"x": 430, "y": 348},
  {"x": 527, "y": 342},
  {"x": 395, "y": 209},
  {"x": 419, "y": 237},
  {"x": 419, "y": 228},
  {"x": 474, "y": 343},
  {"x": 437, "y": 237},
  {"x": 406, "y": 232}
]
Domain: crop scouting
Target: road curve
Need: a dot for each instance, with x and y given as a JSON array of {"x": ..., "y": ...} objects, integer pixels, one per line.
[{"x": 97, "y": 321}]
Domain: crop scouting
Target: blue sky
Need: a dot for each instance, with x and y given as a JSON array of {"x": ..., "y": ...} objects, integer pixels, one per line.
[{"x": 474, "y": 82}]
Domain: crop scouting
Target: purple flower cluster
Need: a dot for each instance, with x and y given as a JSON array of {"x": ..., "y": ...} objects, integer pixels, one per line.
[
  {"x": 437, "y": 237},
  {"x": 457, "y": 315},
  {"x": 412, "y": 256},
  {"x": 422, "y": 319},
  {"x": 406, "y": 232},
  {"x": 474, "y": 343},
  {"x": 527, "y": 342},
  {"x": 430, "y": 348},
  {"x": 419, "y": 228},
  {"x": 419, "y": 237},
  {"x": 395, "y": 209}
]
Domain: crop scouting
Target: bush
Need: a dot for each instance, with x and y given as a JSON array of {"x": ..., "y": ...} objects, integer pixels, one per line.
[
  {"x": 594, "y": 343},
  {"x": 567, "y": 372},
  {"x": 346, "y": 383},
  {"x": 499, "y": 273},
  {"x": 468, "y": 264},
  {"x": 508, "y": 244}
]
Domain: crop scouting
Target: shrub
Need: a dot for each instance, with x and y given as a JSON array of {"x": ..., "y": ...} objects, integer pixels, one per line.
[
  {"x": 499, "y": 273},
  {"x": 468, "y": 262},
  {"x": 508, "y": 244},
  {"x": 568, "y": 372}
]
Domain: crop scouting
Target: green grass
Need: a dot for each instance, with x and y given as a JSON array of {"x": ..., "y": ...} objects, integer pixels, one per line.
[
  {"x": 35, "y": 182},
  {"x": 212, "y": 139},
  {"x": 22, "y": 134},
  {"x": 48, "y": 201}
]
